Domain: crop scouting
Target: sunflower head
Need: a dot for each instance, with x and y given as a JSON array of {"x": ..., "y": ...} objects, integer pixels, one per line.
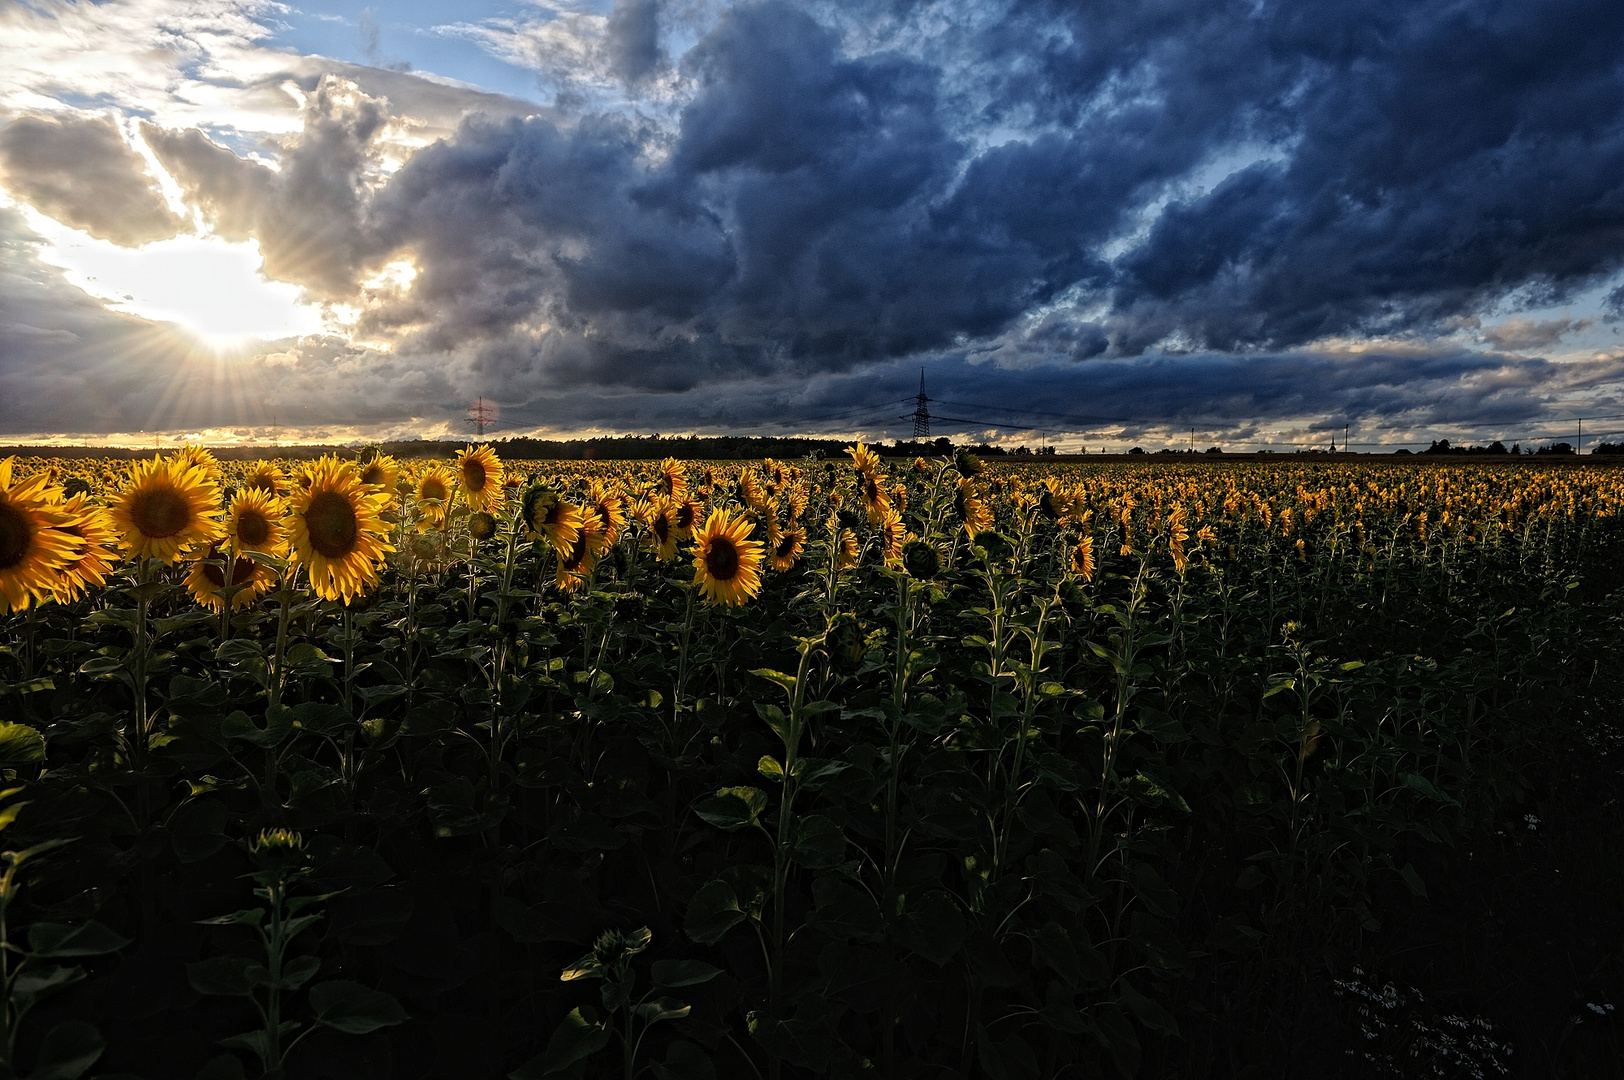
[
  {"x": 479, "y": 475},
  {"x": 166, "y": 509},
  {"x": 379, "y": 471},
  {"x": 788, "y": 546},
  {"x": 481, "y": 526},
  {"x": 921, "y": 560},
  {"x": 36, "y": 544},
  {"x": 266, "y": 476},
  {"x": 255, "y": 521},
  {"x": 1082, "y": 558},
  {"x": 866, "y": 460},
  {"x": 207, "y": 579},
  {"x": 672, "y": 479},
  {"x": 727, "y": 564},
  {"x": 91, "y": 524},
  {"x": 338, "y": 530}
]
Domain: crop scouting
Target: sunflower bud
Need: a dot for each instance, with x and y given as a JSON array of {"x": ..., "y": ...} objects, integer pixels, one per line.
[{"x": 481, "y": 525}]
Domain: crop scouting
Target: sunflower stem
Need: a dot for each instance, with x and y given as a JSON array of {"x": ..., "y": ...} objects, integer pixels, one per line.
[{"x": 682, "y": 659}]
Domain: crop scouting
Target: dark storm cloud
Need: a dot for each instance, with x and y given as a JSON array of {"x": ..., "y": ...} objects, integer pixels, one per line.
[
  {"x": 78, "y": 170},
  {"x": 633, "y": 41},
  {"x": 1373, "y": 168}
]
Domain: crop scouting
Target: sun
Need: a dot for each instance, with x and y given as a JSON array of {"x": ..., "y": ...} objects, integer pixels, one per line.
[{"x": 210, "y": 287}]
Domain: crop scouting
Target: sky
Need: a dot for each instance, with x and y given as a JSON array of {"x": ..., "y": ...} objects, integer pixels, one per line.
[{"x": 1254, "y": 224}]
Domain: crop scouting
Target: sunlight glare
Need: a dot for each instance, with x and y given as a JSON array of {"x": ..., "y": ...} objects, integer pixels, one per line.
[{"x": 210, "y": 286}]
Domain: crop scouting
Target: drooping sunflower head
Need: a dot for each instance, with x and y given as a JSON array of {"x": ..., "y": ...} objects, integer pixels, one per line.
[
  {"x": 481, "y": 526},
  {"x": 166, "y": 508},
  {"x": 727, "y": 564},
  {"x": 338, "y": 531},
  {"x": 876, "y": 500},
  {"x": 846, "y": 550},
  {"x": 207, "y": 579},
  {"x": 255, "y": 521},
  {"x": 36, "y": 547},
  {"x": 921, "y": 560},
  {"x": 479, "y": 475}
]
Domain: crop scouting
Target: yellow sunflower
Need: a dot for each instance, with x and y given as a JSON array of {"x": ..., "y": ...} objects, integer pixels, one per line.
[
  {"x": 203, "y": 458},
  {"x": 255, "y": 522},
  {"x": 604, "y": 502},
  {"x": 893, "y": 534},
  {"x": 1082, "y": 558},
  {"x": 748, "y": 489},
  {"x": 91, "y": 524},
  {"x": 971, "y": 507},
  {"x": 338, "y": 530},
  {"x": 876, "y": 500},
  {"x": 480, "y": 473},
  {"x": 727, "y": 565},
  {"x": 548, "y": 517},
  {"x": 844, "y": 542},
  {"x": 685, "y": 517},
  {"x": 207, "y": 578},
  {"x": 659, "y": 516},
  {"x": 433, "y": 494},
  {"x": 576, "y": 565},
  {"x": 35, "y": 545},
  {"x": 266, "y": 476},
  {"x": 788, "y": 547},
  {"x": 165, "y": 509},
  {"x": 380, "y": 472},
  {"x": 672, "y": 479},
  {"x": 866, "y": 460}
]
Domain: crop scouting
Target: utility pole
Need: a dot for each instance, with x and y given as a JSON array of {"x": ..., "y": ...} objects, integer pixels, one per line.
[
  {"x": 1581, "y": 447},
  {"x": 921, "y": 414},
  {"x": 481, "y": 414},
  {"x": 1344, "y": 438}
]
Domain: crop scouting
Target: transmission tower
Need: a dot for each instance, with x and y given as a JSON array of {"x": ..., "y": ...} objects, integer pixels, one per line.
[
  {"x": 481, "y": 413},
  {"x": 921, "y": 414}
]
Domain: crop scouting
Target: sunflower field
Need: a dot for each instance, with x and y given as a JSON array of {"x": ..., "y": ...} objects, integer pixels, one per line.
[{"x": 860, "y": 768}]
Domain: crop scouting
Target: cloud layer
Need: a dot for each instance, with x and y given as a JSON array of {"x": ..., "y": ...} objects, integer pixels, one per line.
[{"x": 1241, "y": 213}]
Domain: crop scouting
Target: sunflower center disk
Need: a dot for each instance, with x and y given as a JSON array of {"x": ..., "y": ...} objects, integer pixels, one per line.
[
  {"x": 722, "y": 559},
  {"x": 473, "y": 475},
  {"x": 331, "y": 521},
  {"x": 253, "y": 529},
  {"x": 433, "y": 489},
  {"x": 160, "y": 513},
  {"x": 15, "y": 536}
]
